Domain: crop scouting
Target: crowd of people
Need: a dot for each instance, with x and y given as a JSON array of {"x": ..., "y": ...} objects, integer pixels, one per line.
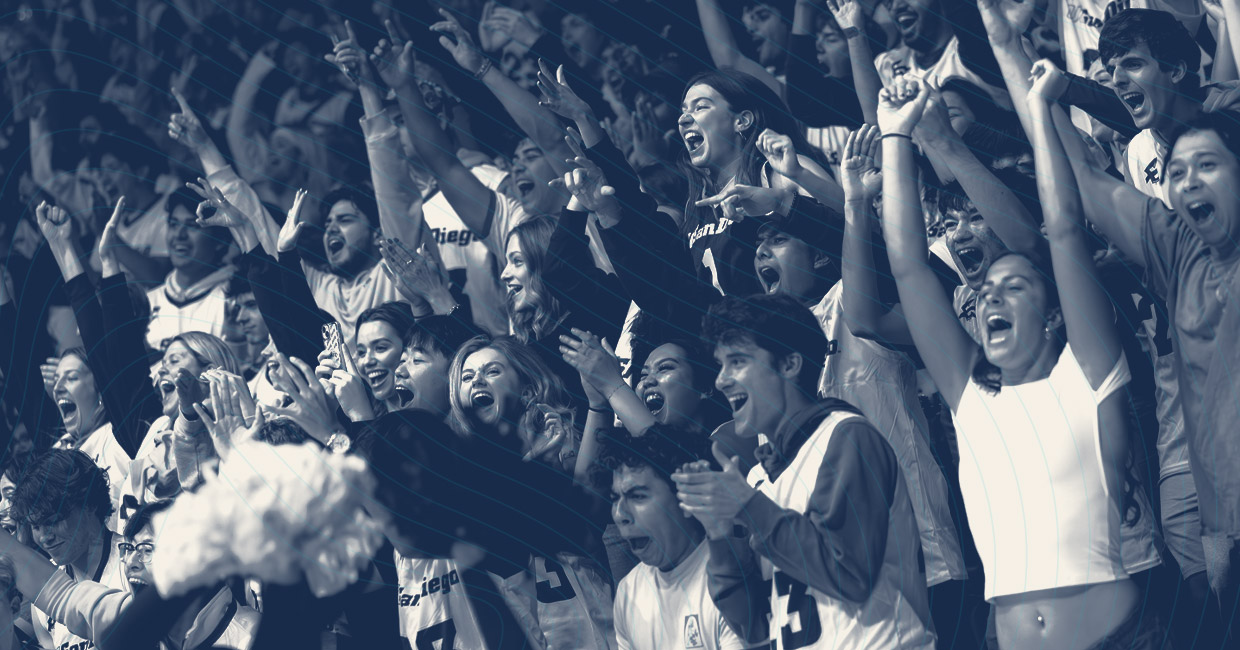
[{"x": 713, "y": 324}]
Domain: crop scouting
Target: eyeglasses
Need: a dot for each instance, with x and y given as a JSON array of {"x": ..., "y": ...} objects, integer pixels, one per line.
[{"x": 145, "y": 550}]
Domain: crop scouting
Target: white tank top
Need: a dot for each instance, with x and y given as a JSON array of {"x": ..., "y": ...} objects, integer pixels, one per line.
[{"x": 1031, "y": 474}]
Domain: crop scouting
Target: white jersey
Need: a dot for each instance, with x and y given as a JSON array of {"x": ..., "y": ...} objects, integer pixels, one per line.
[
  {"x": 176, "y": 310},
  {"x": 55, "y": 636},
  {"x": 570, "y": 598},
  {"x": 1145, "y": 166},
  {"x": 671, "y": 609},
  {"x": 882, "y": 384},
  {"x": 461, "y": 250},
  {"x": 147, "y": 231},
  {"x": 803, "y": 617},
  {"x": 902, "y": 61},
  {"x": 346, "y": 301},
  {"x": 432, "y": 606}
]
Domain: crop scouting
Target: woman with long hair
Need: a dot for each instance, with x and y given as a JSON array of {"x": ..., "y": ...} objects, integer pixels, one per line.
[
  {"x": 519, "y": 439},
  {"x": 1046, "y": 384}
]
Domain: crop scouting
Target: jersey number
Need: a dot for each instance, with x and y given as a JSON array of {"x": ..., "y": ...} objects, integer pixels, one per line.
[
  {"x": 556, "y": 587},
  {"x": 802, "y": 608},
  {"x": 445, "y": 631}
]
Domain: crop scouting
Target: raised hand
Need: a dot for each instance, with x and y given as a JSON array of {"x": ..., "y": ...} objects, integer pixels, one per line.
[
  {"x": 233, "y": 416},
  {"x": 1005, "y": 20},
  {"x": 557, "y": 96},
  {"x": 900, "y": 106},
  {"x": 349, "y": 56},
  {"x": 461, "y": 45},
  {"x": 594, "y": 360},
  {"x": 780, "y": 153},
  {"x": 393, "y": 58},
  {"x": 110, "y": 241},
  {"x": 553, "y": 443},
  {"x": 350, "y": 392},
  {"x": 648, "y": 144},
  {"x": 519, "y": 26},
  {"x": 417, "y": 275},
  {"x": 185, "y": 127},
  {"x": 493, "y": 34},
  {"x": 226, "y": 214},
  {"x": 848, "y": 14},
  {"x": 311, "y": 409},
  {"x": 1047, "y": 82},
  {"x": 860, "y": 174},
  {"x": 48, "y": 371},
  {"x": 291, "y": 229},
  {"x": 55, "y": 224}
]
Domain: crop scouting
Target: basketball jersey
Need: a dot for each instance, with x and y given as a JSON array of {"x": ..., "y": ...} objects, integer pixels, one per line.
[
  {"x": 882, "y": 384},
  {"x": 434, "y": 612},
  {"x": 671, "y": 609},
  {"x": 571, "y": 598},
  {"x": 895, "y": 615},
  {"x": 1145, "y": 166},
  {"x": 177, "y": 310},
  {"x": 56, "y": 636}
]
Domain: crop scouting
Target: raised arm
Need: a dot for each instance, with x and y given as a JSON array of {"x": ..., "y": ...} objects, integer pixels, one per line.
[
  {"x": 865, "y": 313},
  {"x": 783, "y": 158},
  {"x": 243, "y": 130},
  {"x": 724, "y": 50},
  {"x": 1004, "y": 212},
  {"x": 945, "y": 347},
  {"x": 534, "y": 120},
  {"x": 469, "y": 198},
  {"x": 1087, "y": 311},
  {"x": 852, "y": 20}
]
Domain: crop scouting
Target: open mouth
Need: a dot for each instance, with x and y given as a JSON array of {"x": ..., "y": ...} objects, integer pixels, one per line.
[
  {"x": 1133, "y": 100},
  {"x": 737, "y": 401},
  {"x": 694, "y": 141},
  {"x": 181, "y": 249},
  {"x": 403, "y": 396},
  {"x": 1200, "y": 210},
  {"x": 376, "y": 377},
  {"x": 525, "y": 186},
  {"x": 971, "y": 260},
  {"x": 167, "y": 387},
  {"x": 906, "y": 20},
  {"x": 997, "y": 327},
  {"x": 334, "y": 244},
  {"x": 513, "y": 290},
  {"x": 137, "y": 585},
  {"x": 770, "y": 278},
  {"x": 67, "y": 408},
  {"x": 481, "y": 398},
  {"x": 655, "y": 402},
  {"x": 638, "y": 544}
]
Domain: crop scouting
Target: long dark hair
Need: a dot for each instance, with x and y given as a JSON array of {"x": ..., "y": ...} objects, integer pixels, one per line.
[
  {"x": 988, "y": 375},
  {"x": 743, "y": 92}
]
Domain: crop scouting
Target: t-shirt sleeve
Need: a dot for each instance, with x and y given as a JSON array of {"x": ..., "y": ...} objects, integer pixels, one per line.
[
  {"x": 1166, "y": 241},
  {"x": 620, "y": 610}
]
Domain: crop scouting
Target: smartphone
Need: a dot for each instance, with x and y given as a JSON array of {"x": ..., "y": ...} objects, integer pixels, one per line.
[{"x": 333, "y": 342}]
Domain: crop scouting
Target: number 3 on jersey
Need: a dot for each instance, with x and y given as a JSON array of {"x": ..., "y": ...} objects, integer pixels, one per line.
[{"x": 800, "y": 614}]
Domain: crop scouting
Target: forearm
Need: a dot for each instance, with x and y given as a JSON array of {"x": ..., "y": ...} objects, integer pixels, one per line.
[
  {"x": 723, "y": 48},
  {"x": 540, "y": 124},
  {"x": 141, "y": 268},
  {"x": 865, "y": 75},
  {"x": 734, "y": 577},
  {"x": 1224, "y": 56},
  {"x": 598, "y": 418},
  {"x": 824, "y": 190},
  {"x": 864, "y": 310},
  {"x": 633, "y": 413},
  {"x": 193, "y": 451},
  {"x": 241, "y": 118},
  {"x": 904, "y": 227},
  {"x": 1005, "y": 214},
  {"x": 400, "y": 212},
  {"x": 86, "y": 608}
]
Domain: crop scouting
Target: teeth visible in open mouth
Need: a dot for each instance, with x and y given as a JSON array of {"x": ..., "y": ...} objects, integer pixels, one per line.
[
  {"x": 514, "y": 290},
  {"x": 971, "y": 259},
  {"x": 1133, "y": 99},
  {"x": 997, "y": 323},
  {"x": 693, "y": 141},
  {"x": 769, "y": 276},
  {"x": 403, "y": 395},
  {"x": 66, "y": 406},
  {"x": 525, "y": 187},
  {"x": 1200, "y": 210},
  {"x": 906, "y": 19},
  {"x": 375, "y": 376},
  {"x": 166, "y": 387},
  {"x": 737, "y": 401},
  {"x": 655, "y": 402},
  {"x": 482, "y": 399},
  {"x": 334, "y": 245},
  {"x": 638, "y": 543}
]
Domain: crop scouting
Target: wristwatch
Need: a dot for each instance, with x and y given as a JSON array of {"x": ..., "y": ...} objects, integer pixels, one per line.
[{"x": 339, "y": 443}]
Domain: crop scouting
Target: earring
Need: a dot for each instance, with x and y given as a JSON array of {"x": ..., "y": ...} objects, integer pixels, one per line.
[{"x": 1048, "y": 332}]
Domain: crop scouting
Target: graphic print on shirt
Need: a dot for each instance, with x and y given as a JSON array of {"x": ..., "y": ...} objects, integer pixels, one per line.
[
  {"x": 693, "y": 632},
  {"x": 800, "y": 611}
]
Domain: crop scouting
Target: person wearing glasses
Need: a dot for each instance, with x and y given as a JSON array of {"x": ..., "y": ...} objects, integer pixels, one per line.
[{"x": 78, "y": 613}]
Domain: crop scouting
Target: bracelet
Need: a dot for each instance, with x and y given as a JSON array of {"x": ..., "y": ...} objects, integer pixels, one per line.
[
  {"x": 851, "y": 33},
  {"x": 599, "y": 410},
  {"x": 483, "y": 69},
  {"x": 895, "y": 135}
]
